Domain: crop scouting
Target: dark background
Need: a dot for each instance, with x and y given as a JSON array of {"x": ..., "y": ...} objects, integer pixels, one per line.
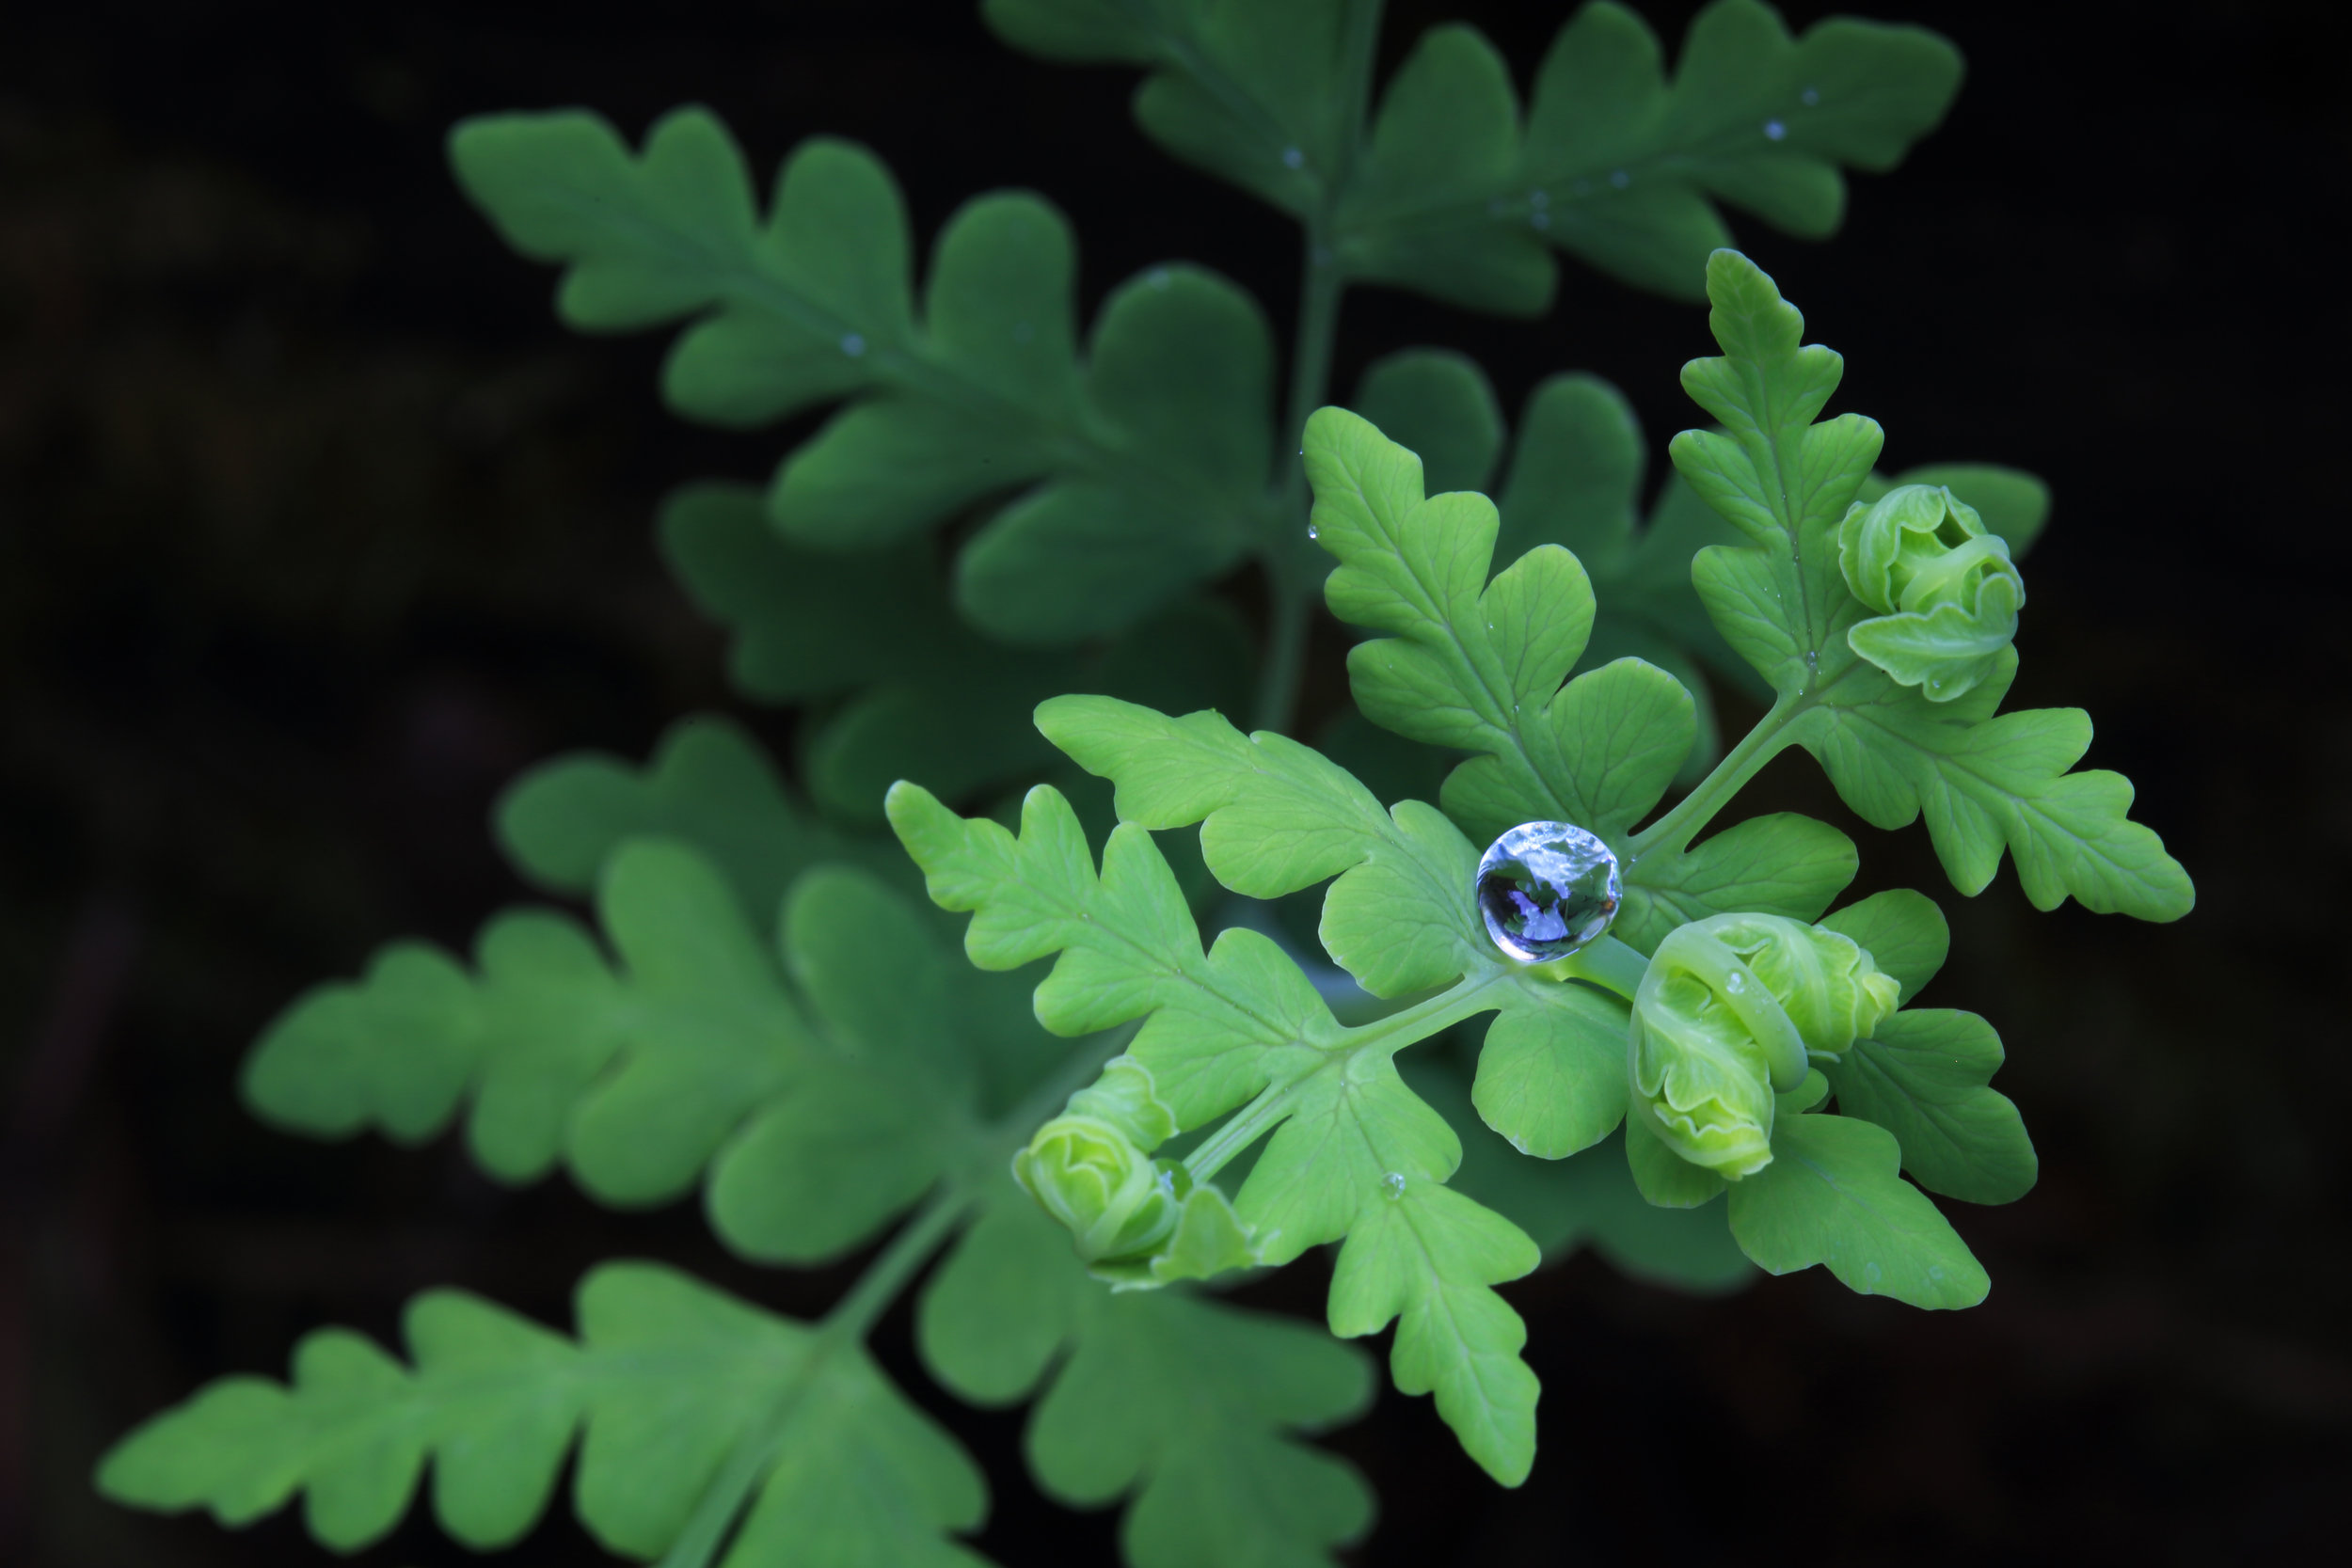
[{"x": 314, "y": 528}]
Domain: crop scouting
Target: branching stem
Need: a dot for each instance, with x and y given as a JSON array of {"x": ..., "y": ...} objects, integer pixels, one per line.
[
  {"x": 855, "y": 1315},
  {"x": 1385, "y": 1036},
  {"x": 1673, "y": 831}
]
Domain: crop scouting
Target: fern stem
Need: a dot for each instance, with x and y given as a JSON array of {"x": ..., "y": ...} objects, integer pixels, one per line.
[
  {"x": 1674, "y": 830},
  {"x": 1293, "y": 567},
  {"x": 847, "y": 1325},
  {"x": 1387, "y": 1035}
]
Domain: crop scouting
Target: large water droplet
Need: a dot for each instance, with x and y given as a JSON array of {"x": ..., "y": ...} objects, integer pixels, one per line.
[
  {"x": 1547, "y": 889},
  {"x": 1394, "y": 1185},
  {"x": 1313, "y": 532}
]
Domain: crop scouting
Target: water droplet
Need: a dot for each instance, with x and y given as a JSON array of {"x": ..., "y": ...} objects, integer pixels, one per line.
[
  {"x": 1292, "y": 158},
  {"x": 1936, "y": 1271},
  {"x": 1621, "y": 179},
  {"x": 1935, "y": 686},
  {"x": 1871, "y": 1272},
  {"x": 1813, "y": 660},
  {"x": 1810, "y": 98},
  {"x": 1157, "y": 278},
  {"x": 1540, "y": 221},
  {"x": 1394, "y": 1185},
  {"x": 1547, "y": 889},
  {"x": 1774, "y": 129},
  {"x": 1735, "y": 982},
  {"x": 853, "y": 345},
  {"x": 1313, "y": 532},
  {"x": 1539, "y": 199}
]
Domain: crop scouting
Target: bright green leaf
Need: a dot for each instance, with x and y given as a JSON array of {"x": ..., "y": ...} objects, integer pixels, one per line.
[
  {"x": 1353, "y": 1153},
  {"x": 1923, "y": 1078},
  {"x": 1903, "y": 932},
  {"x": 1784, "y": 864},
  {"x": 1832, "y": 1196},
  {"x": 1985, "y": 783}
]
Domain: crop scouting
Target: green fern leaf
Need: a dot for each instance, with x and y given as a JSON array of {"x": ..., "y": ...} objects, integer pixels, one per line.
[
  {"x": 1478, "y": 665},
  {"x": 815, "y": 1111},
  {"x": 1354, "y": 1155},
  {"x": 1146, "y": 463},
  {"x": 707, "y": 785},
  {"x": 1616, "y": 164},
  {"x": 1185, "y": 1404},
  {"x": 668, "y": 1378},
  {"x": 1255, "y": 92},
  {"x": 921, "y": 696},
  {"x": 1985, "y": 783}
]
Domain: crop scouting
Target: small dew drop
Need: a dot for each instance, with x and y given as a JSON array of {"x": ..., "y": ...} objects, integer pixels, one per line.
[
  {"x": 853, "y": 345},
  {"x": 1157, "y": 278},
  {"x": 1872, "y": 1273},
  {"x": 1935, "y": 686},
  {"x": 1540, "y": 221},
  {"x": 1394, "y": 1185},
  {"x": 1774, "y": 129},
  {"x": 1810, "y": 98},
  {"x": 1936, "y": 1271},
  {"x": 1621, "y": 179},
  {"x": 1813, "y": 660},
  {"x": 1313, "y": 532},
  {"x": 1735, "y": 984},
  {"x": 1292, "y": 158}
]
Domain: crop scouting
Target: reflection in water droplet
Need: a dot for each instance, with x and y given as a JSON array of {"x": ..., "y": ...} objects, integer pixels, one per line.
[
  {"x": 1774, "y": 129},
  {"x": 1809, "y": 97},
  {"x": 853, "y": 345},
  {"x": 1292, "y": 158},
  {"x": 1394, "y": 1185},
  {"x": 1735, "y": 982},
  {"x": 1312, "y": 532},
  {"x": 1547, "y": 889},
  {"x": 1621, "y": 179}
]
